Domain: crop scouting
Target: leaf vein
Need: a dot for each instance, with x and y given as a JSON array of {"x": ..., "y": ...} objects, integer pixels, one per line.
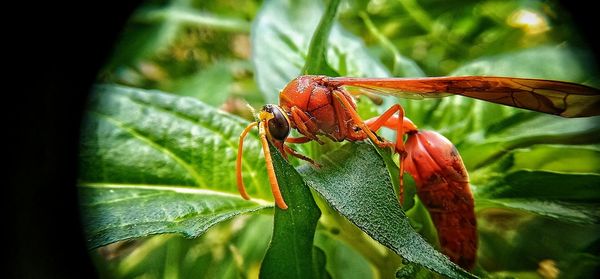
[{"x": 199, "y": 180}]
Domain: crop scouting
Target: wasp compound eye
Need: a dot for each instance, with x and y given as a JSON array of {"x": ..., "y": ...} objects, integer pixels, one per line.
[{"x": 279, "y": 125}]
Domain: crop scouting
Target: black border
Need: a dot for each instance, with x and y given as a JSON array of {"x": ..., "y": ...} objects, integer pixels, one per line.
[{"x": 56, "y": 50}]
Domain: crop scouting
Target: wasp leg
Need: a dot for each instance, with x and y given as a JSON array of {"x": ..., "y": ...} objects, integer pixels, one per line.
[
  {"x": 298, "y": 140},
  {"x": 300, "y": 156},
  {"x": 389, "y": 120},
  {"x": 396, "y": 123},
  {"x": 358, "y": 121},
  {"x": 305, "y": 125},
  {"x": 340, "y": 115}
]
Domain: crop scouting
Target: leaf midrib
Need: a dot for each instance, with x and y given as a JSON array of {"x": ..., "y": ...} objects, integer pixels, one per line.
[
  {"x": 199, "y": 180},
  {"x": 172, "y": 188},
  {"x": 217, "y": 132}
]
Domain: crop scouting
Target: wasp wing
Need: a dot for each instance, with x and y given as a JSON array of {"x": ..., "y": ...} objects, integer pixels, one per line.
[{"x": 553, "y": 97}]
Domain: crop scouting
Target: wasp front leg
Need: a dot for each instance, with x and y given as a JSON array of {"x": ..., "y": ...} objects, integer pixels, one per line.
[
  {"x": 295, "y": 153},
  {"x": 304, "y": 124}
]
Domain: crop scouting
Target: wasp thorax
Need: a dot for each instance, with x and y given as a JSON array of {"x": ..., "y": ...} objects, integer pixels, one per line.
[{"x": 278, "y": 124}]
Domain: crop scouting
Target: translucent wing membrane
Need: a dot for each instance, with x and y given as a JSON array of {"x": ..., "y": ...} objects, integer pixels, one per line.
[
  {"x": 357, "y": 90},
  {"x": 554, "y": 97}
]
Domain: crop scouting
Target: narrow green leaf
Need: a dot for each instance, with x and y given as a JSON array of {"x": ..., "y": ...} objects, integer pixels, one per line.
[
  {"x": 315, "y": 62},
  {"x": 290, "y": 253},
  {"x": 556, "y": 157},
  {"x": 544, "y": 184},
  {"x": 559, "y": 172},
  {"x": 355, "y": 182},
  {"x": 114, "y": 212},
  {"x": 319, "y": 264},
  {"x": 557, "y": 181},
  {"x": 479, "y": 150},
  {"x": 577, "y": 212}
]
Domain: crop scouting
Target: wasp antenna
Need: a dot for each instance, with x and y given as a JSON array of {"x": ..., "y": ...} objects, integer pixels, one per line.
[
  {"x": 270, "y": 170},
  {"x": 252, "y": 110},
  {"x": 238, "y": 163}
]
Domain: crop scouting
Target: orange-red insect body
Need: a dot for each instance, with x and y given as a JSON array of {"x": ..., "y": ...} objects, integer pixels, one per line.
[
  {"x": 324, "y": 106},
  {"x": 443, "y": 186},
  {"x": 309, "y": 99}
]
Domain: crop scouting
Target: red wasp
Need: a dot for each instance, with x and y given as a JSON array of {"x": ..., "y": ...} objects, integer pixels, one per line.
[{"x": 325, "y": 106}]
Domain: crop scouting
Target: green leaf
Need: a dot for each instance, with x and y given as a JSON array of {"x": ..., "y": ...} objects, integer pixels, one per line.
[
  {"x": 319, "y": 264},
  {"x": 355, "y": 182},
  {"x": 544, "y": 184},
  {"x": 134, "y": 136},
  {"x": 133, "y": 140},
  {"x": 290, "y": 253},
  {"x": 557, "y": 158},
  {"x": 118, "y": 212},
  {"x": 182, "y": 14},
  {"x": 281, "y": 37}
]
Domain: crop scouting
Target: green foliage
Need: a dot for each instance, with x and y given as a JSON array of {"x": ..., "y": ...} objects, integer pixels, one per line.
[
  {"x": 157, "y": 183},
  {"x": 158, "y": 210}
]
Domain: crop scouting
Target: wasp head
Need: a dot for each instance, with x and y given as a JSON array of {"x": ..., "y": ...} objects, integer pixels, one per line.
[{"x": 277, "y": 121}]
